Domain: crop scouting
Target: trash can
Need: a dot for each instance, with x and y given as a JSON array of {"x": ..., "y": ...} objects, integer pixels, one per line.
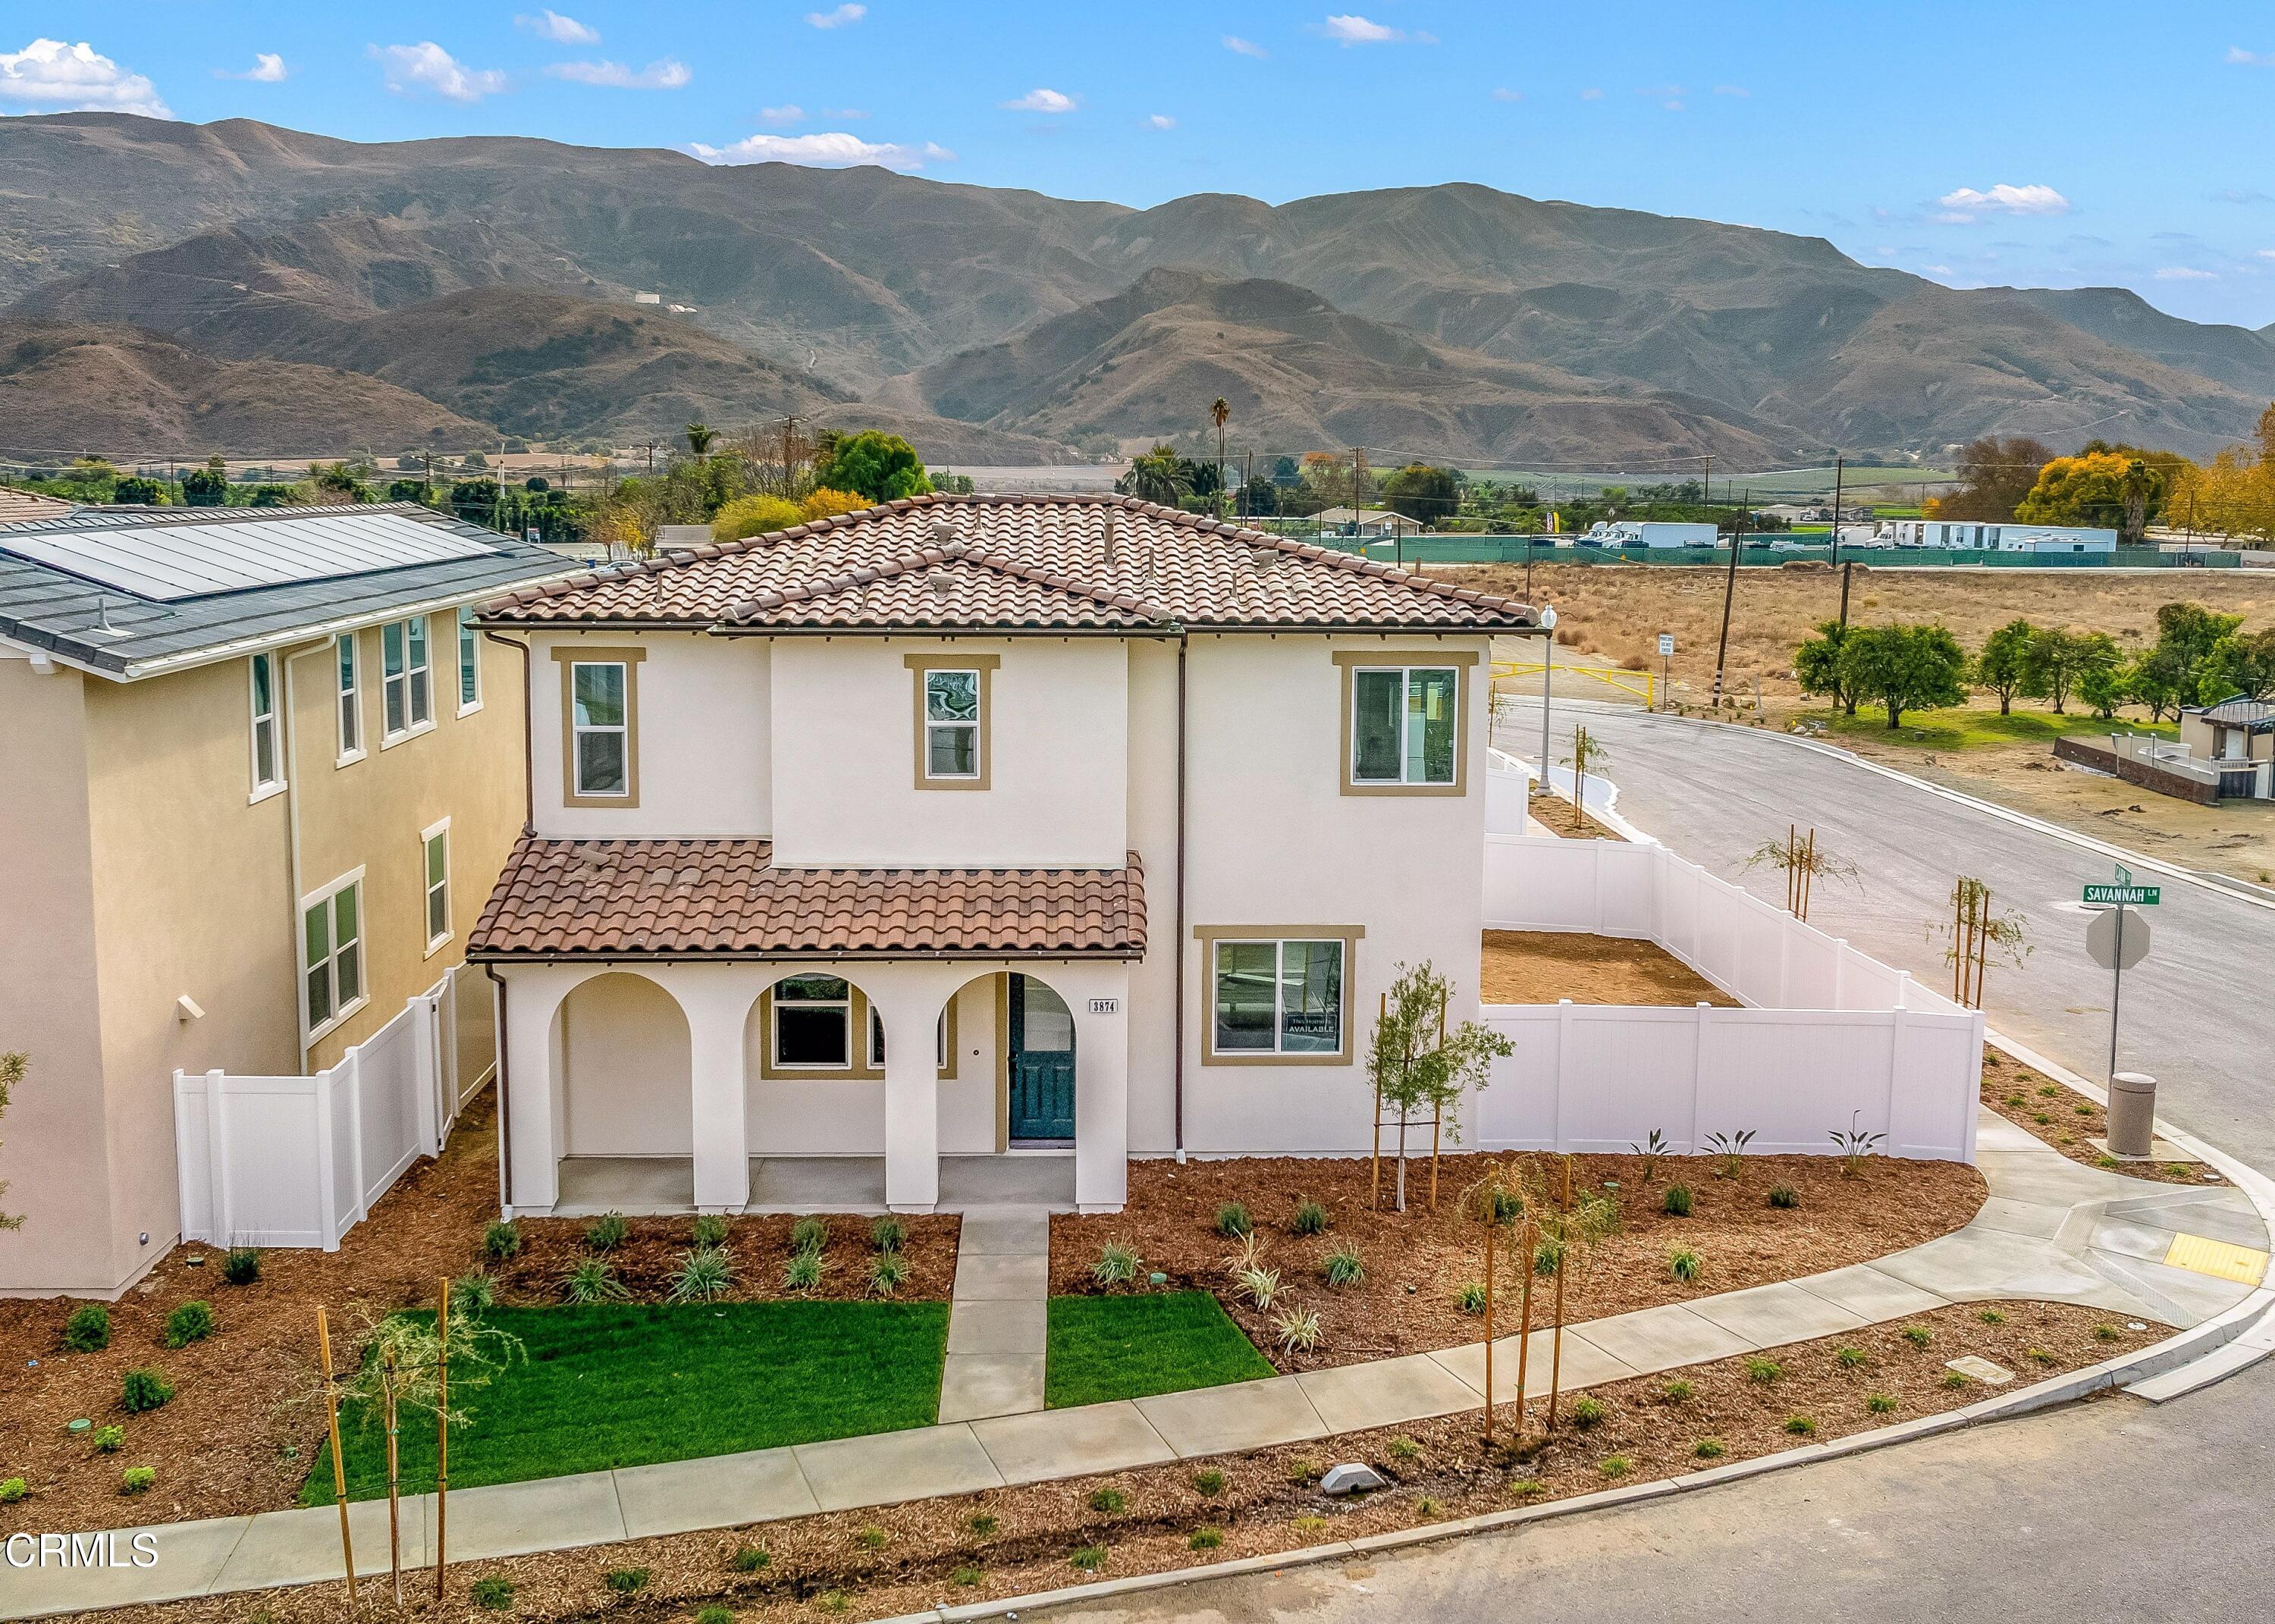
[{"x": 2132, "y": 1114}]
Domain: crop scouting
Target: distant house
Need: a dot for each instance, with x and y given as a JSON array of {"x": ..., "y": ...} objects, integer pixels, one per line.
[
  {"x": 1370, "y": 522},
  {"x": 1967, "y": 535},
  {"x": 2225, "y": 752},
  {"x": 16, "y": 505}
]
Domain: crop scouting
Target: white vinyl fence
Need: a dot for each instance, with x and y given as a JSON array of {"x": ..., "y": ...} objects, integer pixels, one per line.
[
  {"x": 299, "y": 1161},
  {"x": 1832, "y": 1040}
]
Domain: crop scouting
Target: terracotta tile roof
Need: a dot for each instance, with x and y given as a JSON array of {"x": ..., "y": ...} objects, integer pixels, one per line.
[
  {"x": 587, "y": 898},
  {"x": 1102, "y": 564}
]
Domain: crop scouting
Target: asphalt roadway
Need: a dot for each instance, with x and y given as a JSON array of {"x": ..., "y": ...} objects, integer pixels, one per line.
[{"x": 2108, "y": 1510}]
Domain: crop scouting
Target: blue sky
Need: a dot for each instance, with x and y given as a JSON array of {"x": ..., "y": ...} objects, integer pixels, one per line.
[{"x": 1982, "y": 143}]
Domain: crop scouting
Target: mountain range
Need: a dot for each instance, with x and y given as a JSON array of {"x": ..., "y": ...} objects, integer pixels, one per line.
[{"x": 239, "y": 286}]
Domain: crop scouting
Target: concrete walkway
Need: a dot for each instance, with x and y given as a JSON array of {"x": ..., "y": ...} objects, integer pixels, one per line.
[
  {"x": 2053, "y": 1229},
  {"x": 998, "y": 1314}
]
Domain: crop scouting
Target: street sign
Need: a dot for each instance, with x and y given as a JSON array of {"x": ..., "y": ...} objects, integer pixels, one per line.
[
  {"x": 2127, "y": 895},
  {"x": 2102, "y": 936},
  {"x": 1666, "y": 644}
]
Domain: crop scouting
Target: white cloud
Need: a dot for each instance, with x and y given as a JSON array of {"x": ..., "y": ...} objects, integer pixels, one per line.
[
  {"x": 843, "y": 17},
  {"x": 2267, "y": 254},
  {"x": 1507, "y": 94},
  {"x": 409, "y": 68},
  {"x": 57, "y": 77},
  {"x": 665, "y": 73},
  {"x": 789, "y": 114},
  {"x": 833, "y": 150},
  {"x": 2243, "y": 58},
  {"x": 1239, "y": 46},
  {"x": 268, "y": 69},
  {"x": 559, "y": 29},
  {"x": 844, "y": 112},
  {"x": 1963, "y": 204},
  {"x": 1160, "y": 121},
  {"x": 1732, "y": 90},
  {"x": 1937, "y": 270},
  {"x": 1040, "y": 100},
  {"x": 2185, "y": 272},
  {"x": 1672, "y": 106},
  {"x": 1350, "y": 29},
  {"x": 1592, "y": 95}
]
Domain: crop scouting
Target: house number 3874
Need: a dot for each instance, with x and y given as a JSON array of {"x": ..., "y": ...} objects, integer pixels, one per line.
[{"x": 1106, "y": 1006}]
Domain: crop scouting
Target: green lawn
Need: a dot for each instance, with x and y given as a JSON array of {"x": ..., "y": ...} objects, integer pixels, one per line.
[
  {"x": 625, "y": 1386},
  {"x": 1967, "y": 728},
  {"x": 1125, "y": 1347}
]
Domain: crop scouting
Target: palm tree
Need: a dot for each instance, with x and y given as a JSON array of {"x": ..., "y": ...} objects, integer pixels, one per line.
[
  {"x": 1220, "y": 413},
  {"x": 2135, "y": 485},
  {"x": 699, "y": 438},
  {"x": 1158, "y": 476}
]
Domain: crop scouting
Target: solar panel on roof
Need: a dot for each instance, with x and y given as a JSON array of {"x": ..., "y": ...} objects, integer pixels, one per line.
[{"x": 172, "y": 562}]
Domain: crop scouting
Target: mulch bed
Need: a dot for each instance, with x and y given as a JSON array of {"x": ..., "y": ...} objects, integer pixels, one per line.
[
  {"x": 232, "y": 1439},
  {"x": 1557, "y": 813},
  {"x": 906, "y": 1559},
  {"x": 1417, "y": 1262},
  {"x": 2067, "y": 1121},
  {"x": 1540, "y": 967}
]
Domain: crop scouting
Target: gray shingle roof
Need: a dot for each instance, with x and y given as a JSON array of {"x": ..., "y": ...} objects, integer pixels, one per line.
[{"x": 46, "y": 607}]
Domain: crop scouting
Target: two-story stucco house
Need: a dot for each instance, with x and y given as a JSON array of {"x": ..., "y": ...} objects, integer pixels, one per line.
[
  {"x": 966, "y": 828},
  {"x": 257, "y": 773}
]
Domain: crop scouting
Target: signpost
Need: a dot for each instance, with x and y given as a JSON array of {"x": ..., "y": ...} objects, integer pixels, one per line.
[
  {"x": 2114, "y": 945},
  {"x": 1665, "y": 666},
  {"x": 1547, "y": 670}
]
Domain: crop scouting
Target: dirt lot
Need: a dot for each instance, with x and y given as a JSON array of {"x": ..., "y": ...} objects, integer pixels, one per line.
[
  {"x": 900, "y": 1559},
  {"x": 1417, "y": 1262},
  {"x": 231, "y": 1440},
  {"x": 1539, "y": 967}
]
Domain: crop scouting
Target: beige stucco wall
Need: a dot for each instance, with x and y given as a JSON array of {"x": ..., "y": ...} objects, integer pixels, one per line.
[{"x": 626, "y": 1077}]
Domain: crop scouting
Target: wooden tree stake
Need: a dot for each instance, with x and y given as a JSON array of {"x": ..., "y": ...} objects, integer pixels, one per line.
[
  {"x": 442, "y": 1436},
  {"x": 1563, "y": 1256},
  {"x": 394, "y": 1480},
  {"x": 1374, "y": 1175},
  {"x": 339, "y": 1466},
  {"x": 1492, "y": 1222},
  {"x": 1526, "y": 1242}
]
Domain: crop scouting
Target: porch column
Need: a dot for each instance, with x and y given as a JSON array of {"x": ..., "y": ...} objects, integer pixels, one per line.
[
  {"x": 907, "y": 998},
  {"x": 1098, "y": 994},
  {"x": 716, "y": 999},
  {"x": 529, "y": 1065}
]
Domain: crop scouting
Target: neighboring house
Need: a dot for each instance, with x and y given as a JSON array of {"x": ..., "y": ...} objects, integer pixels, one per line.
[
  {"x": 17, "y": 505},
  {"x": 965, "y": 828},
  {"x": 260, "y": 773},
  {"x": 1370, "y": 522},
  {"x": 1965, "y": 535},
  {"x": 2225, "y": 752}
]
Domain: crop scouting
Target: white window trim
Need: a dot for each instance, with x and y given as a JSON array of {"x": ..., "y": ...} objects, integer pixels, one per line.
[
  {"x": 1280, "y": 946},
  {"x": 972, "y": 727},
  {"x": 844, "y": 1006},
  {"x": 346, "y": 696},
  {"x": 427, "y": 837},
  {"x": 411, "y": 729},
  {"x": 473, "y": 646},
  {"x": 1405, "y": 670},
  {"x": 349, "y": 1010},
  {"x": 579, "y": 731},
  {"x": 262, "y": 789}
]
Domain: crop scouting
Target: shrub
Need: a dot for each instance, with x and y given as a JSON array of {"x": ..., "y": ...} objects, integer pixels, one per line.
[
  {"x": 1207, "y": 1539},
  {"x": 1108, "y": 1500},
  {"x": 1546, "y": 1256},
  {"x": 2106, "y": 1334},
  {"x": 887, "y": 1272},
  {"x": 748, "y": 1559},
  {"x": 1684, "y": 1265},
  {"x": 135, "y": 1479},
  {"x": 492, "y": 1593},
  {"x": 803, "y": 1271},
  {"x": 88, "y": 1330},
  {"x": 1311, "y": 1218},
  {"x": 808, "y": 1235},
  {"x": 1801, "y": 1426},
  {"x": 1918, "y": 1336},
  {"x": 241, "y": 1267},
  {"x": 966, "y": 1575},
  {"x": 501, "y": 1241},
  {"x": 605, "y": 1234},
  {"x": 1677, "y": 1202},
  {"x": 983, "y": 1525},
  {"x": 872, "y": 1538},
  {"x": 833, "y": 1601},
  {"x": 1404, "y": 1449},
  {"x": 1586, "y": 1412},
  {"x": 1232, "y": 1220},
  {"x": 1296, "y": 1332},
  {"x": 704, "y": 1275},
  {"x": 1992, "y": 1317},
  {"x": 1880, "y": 1403},
  {"x": 14, "y": 1490},
  {"x": 1955, "y": 1378},
  {"x": 714, "y": 1614},
  {"x": 1303, "y": 1469},
  {"x": 1504, "y": 1206},
  {"x": 1117, "y": 1264},
  {"x": 1262, "y": 1285},
  {"x": 1309, "y": 1524},
  {"x": 1849, "y": 1358},
  {"x": 107, "y": 1440},
  {"x": 1784, "y": 1195},
  {"x": 1615, "y": 1466},
  {"x": 144, "y": 1389},
  {"x": 1528, "y": 1486},
  {"x": 1763, "y": 1370},
  {"x": 1729, "y": 1150},
  {"x": 1428, "y": 1506},
  {"x": 1090, "y": 1559},
  {"x": 192, "y": 1322},
  {"x": 1342, "y": 1266},
  {"x": 1678, "y": 1393},
  {"x": 888, "y": 1234},
  {"x": 473, "y": 1292},
  {"x": 590, "y": 1280},
  {"x": 1708, "y": 1449},
  {"x": 1209, "y": 1482},
  {"x": 1472, "y": 1296},
  {"x": 711, "y": 1229},
  {"x": 624, "y": 1581},
  {"x": 2043, "y": 1356}
]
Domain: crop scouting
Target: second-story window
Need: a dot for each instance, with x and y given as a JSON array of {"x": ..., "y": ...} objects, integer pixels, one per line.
[
  {"x": 951, "y": 724},
  {"x": 268, "y": 758},
  {"x": 1404, "y": 725},
  {"x": 350, "y": 701},
  {"x": 406, "y": 676},
  {"x": 470, "y": 663},
  {"x": 599, "y": 727}
]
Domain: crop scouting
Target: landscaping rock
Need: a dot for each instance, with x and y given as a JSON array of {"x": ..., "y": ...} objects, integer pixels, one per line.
[{"x": 1350, "y": 1477}]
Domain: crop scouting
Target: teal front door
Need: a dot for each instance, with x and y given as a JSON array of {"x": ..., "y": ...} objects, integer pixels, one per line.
[{"x": 1040, "y": 1038}]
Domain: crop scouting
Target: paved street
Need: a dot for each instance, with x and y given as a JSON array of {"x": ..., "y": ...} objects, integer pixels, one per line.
[{"x": 2196, "y": 1016}]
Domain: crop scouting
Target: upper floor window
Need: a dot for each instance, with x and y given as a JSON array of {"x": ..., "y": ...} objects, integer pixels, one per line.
[
  {"x": 405, "y": 676},
  {"x": 599, "y": 725},
  {"x": 470, "y": 662},
  {"x": 952, "y": 702},
  {"x": 434, "y": 857},
  {"x": 346, "y": 661},
  {"x": 1403, "y": 732},
  {"x": 331, "y": 938},
  {"x": 267, "y": 758}
]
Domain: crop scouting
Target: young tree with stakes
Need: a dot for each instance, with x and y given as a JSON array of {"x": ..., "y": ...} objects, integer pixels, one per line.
[
  {"x": 1588, "y": 752},
  {"x": 1803, "y": 863},
  {"x": 1974, "y": 934},
  {"x": 1420, "y": 1068}
]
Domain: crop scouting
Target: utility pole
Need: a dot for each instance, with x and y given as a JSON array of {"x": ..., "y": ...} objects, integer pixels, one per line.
[
  {"x": 789, "y": 424},
  {"x": 1247, "y": 483},
  {"x": 1837, "y": 469},
  {"x": 1845, "y": 570},
  {"x": 1729, "y": 594}
]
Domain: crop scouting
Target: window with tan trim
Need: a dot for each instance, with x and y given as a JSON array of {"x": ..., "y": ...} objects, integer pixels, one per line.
[
  {"x": 1278, "y": 994},
  {"x": 1403, "y": 730},
  {"x": 600, "y": 726},
  {"x": 953, "y": 706},
  {"x": 817, "y": 1027}
]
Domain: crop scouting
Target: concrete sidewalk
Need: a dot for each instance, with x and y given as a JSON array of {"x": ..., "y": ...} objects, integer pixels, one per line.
[{"x": 2053, "y": 1230}]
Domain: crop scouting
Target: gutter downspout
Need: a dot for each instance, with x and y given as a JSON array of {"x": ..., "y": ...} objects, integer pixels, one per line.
[{"x": 1178, "y": 1072}]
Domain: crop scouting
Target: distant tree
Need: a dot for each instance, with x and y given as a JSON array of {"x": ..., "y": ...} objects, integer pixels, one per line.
[
  {"x": 1422, "y": 493},
  {"x": 2148, "y": 680},
  {"x": 1904, "y": 668},
  {"x": 1817, "y": 667},
  {"x": 135, "y": 491},
  {"x": 2005, "y": 661},
  {"x": 475, "y": 500},
  {"x": 1220, "y": 414},
  {"x": 755, "y": 516},
  {"x": 1995, "y": 475},
  {"x": 881, "y": 466},
  {"x": 2105, "y": 488},
  {"x": 537, "y": 484},
  {"x": 1200, "y": 480},
  {"x": 1159, "y": 476},
  {"x": 700, "y": 438},
  {"x": 473, "y": 459},
  {"x": 206, "y": 487},
  {"x": 2240, "y": 663},
  {"x": 336, "y": 482},
  {"x": 1259, "y": 498},
  {"x": 2103, "y": 688},
  {"x": 821, "y": 502},
  {"x": 950, "y": 484},
  {"x": 268, "y": 495},
  {"x": 1284, "y": 471},
  {"x": 12, "y": 1067},
  {"x": 2058, "y": 659},
  {"x": 2186, "y": 633},
  {"x": 408, "y": 490}
]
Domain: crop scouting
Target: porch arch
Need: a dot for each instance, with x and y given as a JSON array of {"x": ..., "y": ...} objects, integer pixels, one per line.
[{"x": 626, "y": 1068}]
